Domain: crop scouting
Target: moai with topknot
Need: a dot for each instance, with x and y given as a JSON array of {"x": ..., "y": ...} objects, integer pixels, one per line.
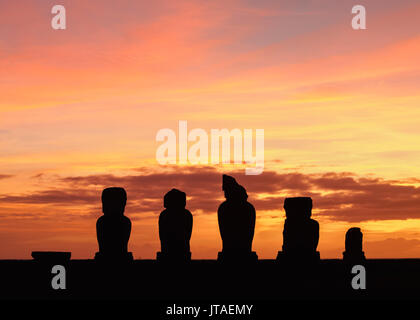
[{"x": 236, "y": 217}]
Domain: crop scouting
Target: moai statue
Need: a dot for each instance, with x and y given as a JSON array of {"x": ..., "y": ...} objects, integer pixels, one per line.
[
  {"x": 354, "y": 246},
  {"x": 175, "y": 228},
  {"x": 300, "y": 233},
  {"x": 113, "y": 228},
  {"x": 236, "y": 223}
]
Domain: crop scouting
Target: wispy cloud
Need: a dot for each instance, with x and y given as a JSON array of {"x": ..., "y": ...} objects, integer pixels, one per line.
[{"x": 337, "y": 196}]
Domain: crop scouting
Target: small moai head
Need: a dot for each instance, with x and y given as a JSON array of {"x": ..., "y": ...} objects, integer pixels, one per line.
[
  {"x": 175, "y": 199},
  {"x": 232, "y": 189},
  {"x": 298, "y": 207},
  {"x": 354, "y": 240},
  {"x": 113, "y": 201}
]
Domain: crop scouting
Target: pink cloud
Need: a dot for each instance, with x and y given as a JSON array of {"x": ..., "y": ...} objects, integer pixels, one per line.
[{"x": 338, "y": 196}]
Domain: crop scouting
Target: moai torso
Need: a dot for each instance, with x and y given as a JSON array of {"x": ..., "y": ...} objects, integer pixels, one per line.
[
  {"x": 236, "y": 224},
  {"x": 113, "y": 233},
  {"x": 300, "y": 235}
]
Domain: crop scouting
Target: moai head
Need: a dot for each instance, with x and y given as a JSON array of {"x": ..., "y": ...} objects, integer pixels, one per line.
[
  {"x": 298, "y": 207},
  {"x": 114, "y": 201},
  {"x": 233, "y": 190},
  {"x": 175, "y": 199},
  {"x": 354, "y": 240}
]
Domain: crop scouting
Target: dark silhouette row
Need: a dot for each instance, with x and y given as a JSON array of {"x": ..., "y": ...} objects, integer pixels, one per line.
[{"x": 236, "y": 217}]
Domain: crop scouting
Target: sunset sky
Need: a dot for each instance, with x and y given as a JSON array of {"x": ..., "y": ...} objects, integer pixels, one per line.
[{"x": 80, "y": 109}]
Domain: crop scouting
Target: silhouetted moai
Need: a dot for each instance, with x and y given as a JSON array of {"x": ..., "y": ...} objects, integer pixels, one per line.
[
  {"x": 300, "y": 233},
  {"x": 354, "y": 246},
  {"x": 113, "y": 228},
  {"x": 236, "y": 223},
  {"x": 175, "y": 228}
]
